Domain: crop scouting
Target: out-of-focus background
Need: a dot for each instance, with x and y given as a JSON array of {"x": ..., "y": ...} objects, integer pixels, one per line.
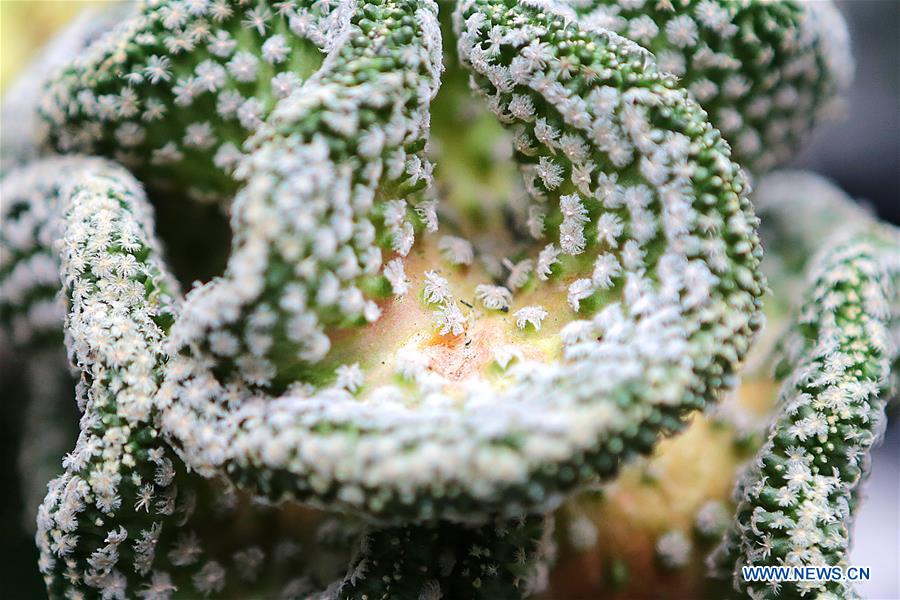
[
  {"x": 26, "y": 25},
  {"x": 861, "y": 153}
]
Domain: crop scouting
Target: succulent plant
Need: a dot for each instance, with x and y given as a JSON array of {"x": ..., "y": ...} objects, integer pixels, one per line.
[
  {"x": 836, "y": 272},
  {"x": 595, "y": 280},
  {"x": 796, "y": 499},
  {"x": 765, "y": 72}
]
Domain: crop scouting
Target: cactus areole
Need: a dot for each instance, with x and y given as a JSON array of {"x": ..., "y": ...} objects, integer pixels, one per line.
[{"x": 481, "y": 256}]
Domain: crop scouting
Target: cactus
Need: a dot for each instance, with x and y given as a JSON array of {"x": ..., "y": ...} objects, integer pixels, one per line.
[
  {"x": 797, "y": 497},
  {"x": 766, "y": 73},
  {"x": 439, "y": 348},
  {"x": 836, "y": 365}
]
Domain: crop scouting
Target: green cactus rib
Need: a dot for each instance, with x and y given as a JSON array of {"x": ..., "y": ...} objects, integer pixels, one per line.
[
  {"x": 175, "y": 89},
  {"x": 121, "y": 521},
  {"x": 30, "y": 311},
  {"x": 796, "y": 500},
  {"x": 306, "y": 239},
  {"x": 766, "y": 72},
  {"x": 120, "y": 307},
  {"x": 830, "y": 214}
]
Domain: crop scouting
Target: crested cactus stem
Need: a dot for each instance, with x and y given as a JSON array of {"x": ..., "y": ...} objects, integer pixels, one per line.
[
  {"x": 796, "y": 500},
  {"x": 441, "y": 353},
  {"x": 631, "y": 180},
  {"x": 318, "y": 196},
  {"x": 121, "y": 305},
  {"x": 121, "y": 520}
]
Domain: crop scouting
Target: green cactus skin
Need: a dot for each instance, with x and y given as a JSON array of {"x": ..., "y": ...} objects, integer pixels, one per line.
[
  {"x": 30, "y": 310},
  {"x": 502, "y": 559},
  {"x": 176, "y": 88},
  {"x": 766, "y": 72},
  {"x": 796, "y": 499}
]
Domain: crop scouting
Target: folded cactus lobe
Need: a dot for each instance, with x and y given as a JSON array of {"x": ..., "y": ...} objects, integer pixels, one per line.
[
  {"x": 645, "y": 266},
  {"x": 175, "y": 89},
  {"x": 797, "y": 498},
  {"x": 766, "y": 72}
]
